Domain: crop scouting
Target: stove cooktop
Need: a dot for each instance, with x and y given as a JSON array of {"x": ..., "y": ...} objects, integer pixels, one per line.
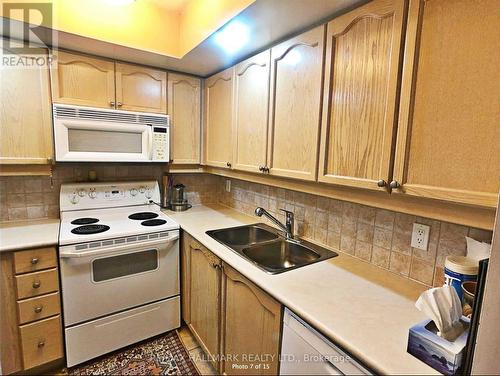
[
  {"x": 142, "y": 216},
  {"x": 89, "y": 229}
]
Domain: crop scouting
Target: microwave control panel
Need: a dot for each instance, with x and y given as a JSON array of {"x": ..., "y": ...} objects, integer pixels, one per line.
[{"x": 160, "y": 152}]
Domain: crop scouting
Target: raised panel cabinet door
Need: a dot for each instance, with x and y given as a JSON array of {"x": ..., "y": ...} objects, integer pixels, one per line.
[
  {"x": 218, "y": 119},
  {"x": 141, "y": 89},
  {"x": 361, "y": 87},
  {"x": 184, "y": 106},
  {"x": 251, "y": 326},
  {"x": 251, "y": 104},
  {"x": 448, "y": 145},
  {"x": 204, "y": 298},
  {"x": 25, "y": 115},
  {"x": 295, "y": 105},
  {"x": 83, "y": 80}
]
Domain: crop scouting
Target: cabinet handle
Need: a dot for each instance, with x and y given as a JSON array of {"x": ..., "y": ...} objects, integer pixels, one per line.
[
  {"x": 41, "y": 344},
  {"x": 38, "y": 309},
  {"x": 119, "y": 104},
  {"x": 112, "y": 103},
  {"x": 394, "y": 184},
  {"x": 381, "y": 183},
  {"x": 36, "y": 284},
  {"x": 34, "y": 261},
  {"x": 266, "y": 169},
  {"x": 261, "y": 168},
  {"x": 228, "y": 164}
]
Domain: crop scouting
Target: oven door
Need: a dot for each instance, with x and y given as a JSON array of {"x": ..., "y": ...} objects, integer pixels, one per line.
[
  {"x": 103, "y": 281},
  {"x": 98, "y": 141}
]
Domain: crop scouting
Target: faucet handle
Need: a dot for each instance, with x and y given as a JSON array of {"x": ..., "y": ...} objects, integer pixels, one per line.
[{"x": 287, "y": 212}]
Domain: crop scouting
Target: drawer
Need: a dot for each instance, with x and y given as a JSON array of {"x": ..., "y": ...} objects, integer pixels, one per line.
[
  {"x": 38, "y": 308},
  {"x": 37, "y": 283},
  {"x": 41, "y": 342},
  {"x": 35, "y": 259}
]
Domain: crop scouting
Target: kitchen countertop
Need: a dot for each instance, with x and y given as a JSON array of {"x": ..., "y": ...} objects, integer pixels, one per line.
[
  {"x": 28, "y": 234},
  {"x": 363, "y": 308}
]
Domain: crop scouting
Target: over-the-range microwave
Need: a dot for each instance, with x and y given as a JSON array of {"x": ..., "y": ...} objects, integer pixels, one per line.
[{"x": 86, "y": 134}]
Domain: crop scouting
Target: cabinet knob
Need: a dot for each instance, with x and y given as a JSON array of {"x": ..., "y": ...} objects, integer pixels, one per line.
[
  {"x": 34, "y": 261},
  {"x": 36, "y": 284},
  {"x": 41, "y": 343},
  {"x": 394, "y": 184},
  {"x": 266, "y": 169},
  {"x": 112, "y": 103},
  {"x": 119, "y": 104},
  {"x": 38, "y": 309},
  {"x": 381, "y": 183},
  {"x": 261, "y": 168},
  {"x": 228, "y": 164}
]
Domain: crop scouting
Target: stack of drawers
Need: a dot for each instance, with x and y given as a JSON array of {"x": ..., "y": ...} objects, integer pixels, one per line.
[{"x": 38, "y": 306}]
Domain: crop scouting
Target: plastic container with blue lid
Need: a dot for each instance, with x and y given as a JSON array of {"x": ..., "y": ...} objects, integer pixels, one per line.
[{"x": 458, "y": 269}]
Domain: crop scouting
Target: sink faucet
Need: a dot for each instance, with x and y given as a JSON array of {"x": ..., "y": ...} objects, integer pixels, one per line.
[{"x": 287, "y": 227}]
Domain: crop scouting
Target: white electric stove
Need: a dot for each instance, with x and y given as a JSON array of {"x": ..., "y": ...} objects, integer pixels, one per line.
[{"x": 119, "y": 257}]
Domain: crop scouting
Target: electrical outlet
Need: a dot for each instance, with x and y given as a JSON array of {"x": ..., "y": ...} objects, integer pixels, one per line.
[
  {"x": 420, "y": 236},
  {"x": 228, "y": 185}
]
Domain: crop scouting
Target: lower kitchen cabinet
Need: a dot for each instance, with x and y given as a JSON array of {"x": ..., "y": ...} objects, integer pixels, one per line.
[
  {"x": 228, "y": 314},
  {"x": 30, "y": 313},
  {"x": 251, "y": 322}
]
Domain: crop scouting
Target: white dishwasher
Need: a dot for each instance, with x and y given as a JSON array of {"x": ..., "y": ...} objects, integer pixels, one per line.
[{"x": 304, "y": 351}]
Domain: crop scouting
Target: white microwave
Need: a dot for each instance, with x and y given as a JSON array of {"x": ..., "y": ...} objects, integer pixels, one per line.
[{"x": 86, "y": 134}]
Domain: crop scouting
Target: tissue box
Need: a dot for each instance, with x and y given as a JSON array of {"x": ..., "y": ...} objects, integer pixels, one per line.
[{"x": 442, "y": 355}]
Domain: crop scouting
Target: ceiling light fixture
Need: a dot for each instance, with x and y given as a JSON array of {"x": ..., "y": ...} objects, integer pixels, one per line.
[{"x": 233, "y": 36}]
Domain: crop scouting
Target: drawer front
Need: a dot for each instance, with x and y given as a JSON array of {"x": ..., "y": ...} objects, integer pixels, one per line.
[
  {"x": 41, "y": 342},
  {"x": 35, "y": 259},
  {"x": 38, "y": 283},
  {"x": 38, "y": 308}
]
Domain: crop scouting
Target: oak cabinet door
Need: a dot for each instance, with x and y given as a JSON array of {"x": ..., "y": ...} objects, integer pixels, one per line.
[
  {"x": 448, "y": 145},
  {"x": 295, "y": 105},
  {"x": 141, "y": 89},
  {"x": 218, "y": 119},
  {"x": 204, "y": 281},
  {"x": 25, "y": 116},
  {"x": 250, "y": 326},
  {"x": 184, "y": 101},
  {"x": 360, "y": 93},
  {"x": 83, "y": 80},
  {"x": 251, "y": 104}
]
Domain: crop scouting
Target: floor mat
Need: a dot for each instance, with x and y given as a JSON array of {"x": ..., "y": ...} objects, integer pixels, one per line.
[{"x": 162, "y": 355}]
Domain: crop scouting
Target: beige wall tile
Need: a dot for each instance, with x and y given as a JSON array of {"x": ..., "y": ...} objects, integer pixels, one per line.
[
  {"x": 350, "y": 212},
  {"x": 367, "y": 215},
  {"x": 333, "y": 240},
  {"x": 385, "y": 219},
  {"x": 335, "y": 222},
  {"x": 381, "y": 256},
  {"x": 382, "y": 238},
  {"x": 422, "y": 271},
  {"x": 400, "y": 263},
  {"x": 363, "y": 250},
  {"x": 401, "y": 242},
  {"x": 365, "y": 232},
  {"x": 347, "y": 244}
]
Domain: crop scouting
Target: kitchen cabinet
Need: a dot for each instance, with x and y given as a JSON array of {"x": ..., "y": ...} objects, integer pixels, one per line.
[
  {"x": 140, "y": 89},
  {"x": 360, "y": 95},
  {"x": 30, "y": 311},
  {"x": 448, "y": 138},
  {"x": 251, "y": 323},
  {"x": 251, "y": 100},
  {"x": 83, "y": 80},
  {"x": 218, "y": 119},
  {"x": 201, "y": 294},
  {"x": 184, "y": 108},
  {"x": 295, "y": 105},
  {"x": 26, "y": 119}
]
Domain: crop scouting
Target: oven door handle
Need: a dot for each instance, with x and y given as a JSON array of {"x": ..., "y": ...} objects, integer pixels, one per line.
[{"x": 99, "y": 252}]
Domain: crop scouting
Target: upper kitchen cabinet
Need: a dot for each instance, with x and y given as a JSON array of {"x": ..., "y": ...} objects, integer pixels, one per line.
[
  {"x": 360, "y": 95},
  {"x": 184, "y": 108},
  {"x": 218, "y": 119},
  {"x": 448, "y": 144},
  {"x": 25, "y": 120},
  {"x": 83, "y": 80},
  {"x": 295, "y": 105},
  {"x": 141, "y": 89},
  {"x": 251, "y": 100}
]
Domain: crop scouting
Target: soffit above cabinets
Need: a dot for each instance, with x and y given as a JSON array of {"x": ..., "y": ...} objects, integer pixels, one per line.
[{"x": 194, "y": 49}]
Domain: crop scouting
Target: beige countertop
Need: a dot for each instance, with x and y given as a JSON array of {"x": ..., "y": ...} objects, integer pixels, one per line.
[
  {"x": 28, "y": 234},
  {"x": 364, "y": 309}
]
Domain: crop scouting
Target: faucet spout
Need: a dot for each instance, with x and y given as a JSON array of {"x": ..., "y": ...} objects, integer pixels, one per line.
[{"x": 289, "y": 220}]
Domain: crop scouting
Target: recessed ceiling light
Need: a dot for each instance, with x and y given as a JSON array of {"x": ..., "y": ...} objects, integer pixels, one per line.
[{"x": 233, "y": 36}]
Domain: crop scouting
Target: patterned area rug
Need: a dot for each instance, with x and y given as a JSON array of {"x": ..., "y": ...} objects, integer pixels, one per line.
[{"x": 162, "y": 355}]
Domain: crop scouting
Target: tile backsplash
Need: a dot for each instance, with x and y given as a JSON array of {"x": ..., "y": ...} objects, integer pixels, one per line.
[
  {"x": 37, "y": 197},
  {"x": 378, "y": 236}
]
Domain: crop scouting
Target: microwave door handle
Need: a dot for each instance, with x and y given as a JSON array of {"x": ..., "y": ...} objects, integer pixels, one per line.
[{"x": 150, "y": 130}]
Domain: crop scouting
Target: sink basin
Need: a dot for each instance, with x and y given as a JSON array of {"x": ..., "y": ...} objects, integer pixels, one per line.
[
  {"x": 280, "y": 255},
  {"x": 243, "y": 236},
  {"x": 267, "y": 249}
]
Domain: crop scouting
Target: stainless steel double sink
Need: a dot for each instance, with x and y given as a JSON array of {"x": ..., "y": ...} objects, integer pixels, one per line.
[{"x": 265, "y": 247}]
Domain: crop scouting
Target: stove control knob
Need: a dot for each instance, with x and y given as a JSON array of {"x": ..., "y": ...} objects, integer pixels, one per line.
[
  {"x": 92, "y": 194},
  {"x": 74, "y": 199},
  {"x": 81, "y": 192},
  {"x": 142, "y": 189},
  {"x": 133, "y": 192},
  {"x": 149, "y": 194}
]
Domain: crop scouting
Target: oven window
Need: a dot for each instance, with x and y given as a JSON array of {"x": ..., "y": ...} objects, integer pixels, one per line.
[
  {"x": 104, "y": 141},
  {"x": 120, "y": 266}
]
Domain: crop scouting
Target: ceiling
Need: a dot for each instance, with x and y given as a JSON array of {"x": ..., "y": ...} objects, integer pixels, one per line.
[{"x": 269, "y": 21}]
